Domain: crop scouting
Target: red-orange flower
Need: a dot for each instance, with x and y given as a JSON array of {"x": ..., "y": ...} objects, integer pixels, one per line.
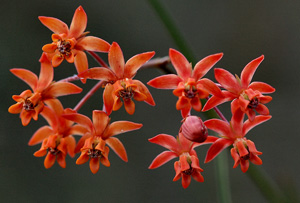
[
  {"x": 120, "y": 84},
  {"x": 187, "y": 84},
  {"x": 70, "y": 43},
  {"x": 188, "y": 164},
  {"x": 245, "y": 95},
  {"x": 57, "y": 138},
  {"x": 233, "y": 133},
  {"x": 99, "y": 133},
  {"x": 31, "y": 103}
]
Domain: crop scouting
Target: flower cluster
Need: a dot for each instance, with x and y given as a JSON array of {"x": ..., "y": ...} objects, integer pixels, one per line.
[{"x": 98, "y": 135}]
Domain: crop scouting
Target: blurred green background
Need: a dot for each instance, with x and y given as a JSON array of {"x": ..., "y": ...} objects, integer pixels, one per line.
[{"x": 242, "y": 30}]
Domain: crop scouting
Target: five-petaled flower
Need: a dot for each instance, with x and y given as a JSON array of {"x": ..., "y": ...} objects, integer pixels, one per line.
[
  {"x": 30, "y": 104},
  {"x": 233, "y": 133},
  {"x": 70, "y": 43},
  {"x": 187, "y": 84},
  {"x": 120, "y": 84},
  {"x": 57, "y": 138},
  {"x": 99, "y": 133},
  {"x": 188, "y": 164},
  {"x": 247, "y": 97}
]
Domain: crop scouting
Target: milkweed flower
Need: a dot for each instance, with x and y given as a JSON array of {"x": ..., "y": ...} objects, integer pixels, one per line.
[
  {"x": 187, "y": 84},
  {"x": 31, "y": 102},
  {"x": 233, "y": 133},
  {"x": 120, "y": 84},
  {"x": 245, "y": 95},
  {"x": 99, "y": 133},
  {"x": 57, "y": 137},
  {"x": 188, "y": 164},
  {"x": 70, "y": 44}
]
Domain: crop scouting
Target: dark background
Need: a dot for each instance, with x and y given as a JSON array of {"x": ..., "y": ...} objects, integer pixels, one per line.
[{"x": 242, "y": 30}]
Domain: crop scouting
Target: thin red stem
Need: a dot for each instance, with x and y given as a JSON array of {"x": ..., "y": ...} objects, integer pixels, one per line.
[
  {"x": 98, "y": 59},
  {"x": 217, "y": 110},
  {"x": 70, "y": 79}
]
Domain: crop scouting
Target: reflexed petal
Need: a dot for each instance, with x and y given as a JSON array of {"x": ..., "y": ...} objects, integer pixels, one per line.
[
  {"x": 262, "y": 87},
  {"x": 251, "y": 114},
  {"x": 252, "y": 148},
  {"x": 58, "y": 89},
  {"x": 237, "y": 121},
  {"x": 81, "y": 142},
  {"x": 119, "y": 127},
  {"x": 135, "y": 62},
  {"x": 216, "y": 148},
  {"x": 116, "y": 60},
  {"x": 129, "y": 106},
  {"x": 91, "y": 43},
  {"x": 27, "y": 76},
  {"x": 99, "y": 74},
  {"x": 177, "y": 169},
  {"x": 227, "y": 80},
  {"x": 197, "y": 176},
  {"x": 186, "y": 180},
  {"x": 182, "y": 103},
  {"x": 244, "y": 165},
  {"x": 70, "y": 58},
  {"x": 26, "y": 117},
  {"x": 262, "y": 109},
  {"x": 219, "y": 126},
  {"x": 139, "y": 96},
  {"x": 57, "y": 60},
  {"x": 143, "y": 89},
  {"x": 81, "y": 63},
  {"x": 49, "y": 160},
  {"x": 83, "y": 158},
  {"x": 162, "y": 158},
  {"x": 196, "y": 104},
  {"x": 49, "y": 48},
  {"x": 80, "y": 119},
  {"x": 183, "y": 163},
  {"x": 235, "y": 157},
  {"x": 116, "y": 145},
  {"x": 203, "y": 66},
  {"x": 211, "y": 87},
  {"x": 46, "y": 73},
  {"x": 185, "y": 111},
  {"x": 265, "y": 99},
  {"x": 108, "y": 98},
  {"x": 61, "y": 160},
  {"x": 100, "y": 121},
  {"x": 54, "y": 24},
  {"x": 78, "y": 23},
  {"x": 181, "y": 64},
  {"x": 169, "y": 81},
  {"x": 166, "y": 141},
  {"x": 249, "y": 70},
  {"x": 95, "y": 164},
  {"x": 71, "y": 144},
  {"x": 255, "y": 159},
  {"x": 258, "y": 120},
  {"x": 40, "y": 135}
]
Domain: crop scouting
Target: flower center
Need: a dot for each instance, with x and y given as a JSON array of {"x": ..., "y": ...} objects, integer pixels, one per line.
[
  {"x": 94, "y": 153},
  {"x": 190, "y": 91},
  {"x": 28, "y": 105},
  {"x": 246, "y": 157},
  {"x": 64, "y": 47},
  {"x": 53, "y": 151},
  {"x": 253, "y": 103},
  {"x": 188, "y": 171}
]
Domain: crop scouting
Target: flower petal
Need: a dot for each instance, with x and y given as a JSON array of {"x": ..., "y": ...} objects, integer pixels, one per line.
[
  {"x": 211, "y": 87},
  {"x": 58, "y": 89},
  {"x": 71, "y": 144},
  {"x": 162, "y": 158},
  {"x": 46, "y": 73},
  {"x": 95, "y": 164},
  {"x": 181, "y": 64},
  {"x": 216, "y": 148},
  {"x": 78, "y": 23},
  {"x": 262, "y": 109},
  {"x": 80, "y": 119},
  {"x": 81, "y": 63},
  {"x": 135, "y": 62},
  {"x": 40, "y": 135},
  {"x": 99, "y": 73},
  {"x": 169, "y": 81},
  {"x": 49, "y": 160},
  {"x": 143, "y": 89},
  {"x": 248, "y": 125},
  {"x": 116, "y": 60},
  {"x": 203, "y": 66},
  {"x": 83, "y": 158},
  {"x": 215, "y": 101},
  {"x": 54, "y": 24},
  {"x": 119, "y": 127},
  {"x": 167, "y": 141},
  {"x": 116, "y": 145},
  {"x": 16, "y": 108},
  {"x": 91, "y": 43},
  {"x": 219, "y": 126},
  {"x": 129, "y": 106},
  {"x": 249, "y": 70},
  {"x": 227, "y": 80},
  {"x": 57, "y": 60},
  {"x": 27, "y": 76},
  {"x": 108, "y": 98},
  {"x": 262, "y": 87},
  {"x": 100, "y": 121}
]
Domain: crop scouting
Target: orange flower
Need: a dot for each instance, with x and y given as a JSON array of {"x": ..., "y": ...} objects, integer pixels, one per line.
[
  {"x": 99, "y": 133},
  {"x": 70, "y": 43},
  {"x": 188, "y": 164},
  {"x": 233, "y": 133},
  {"x": 30, "y": 103},
  {"x": 57, "y": 138},
  {"x": 187, "y": 84},
  {"x": 244, "y": 95},
  {"x": 119, "y": 80}
]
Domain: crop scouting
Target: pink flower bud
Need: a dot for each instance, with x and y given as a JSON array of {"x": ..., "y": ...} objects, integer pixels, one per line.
[{"x": 194, "y": 129}]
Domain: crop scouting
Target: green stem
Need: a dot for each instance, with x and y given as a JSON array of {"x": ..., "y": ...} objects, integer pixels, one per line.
[{"x": 223, "y": 183}]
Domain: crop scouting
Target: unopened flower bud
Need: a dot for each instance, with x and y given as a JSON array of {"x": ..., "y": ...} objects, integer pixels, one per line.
[{"x": 194, "y": 129}]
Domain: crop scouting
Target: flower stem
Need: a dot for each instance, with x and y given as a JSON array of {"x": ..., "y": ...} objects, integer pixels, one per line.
[{"x": 98, "y": 59}]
